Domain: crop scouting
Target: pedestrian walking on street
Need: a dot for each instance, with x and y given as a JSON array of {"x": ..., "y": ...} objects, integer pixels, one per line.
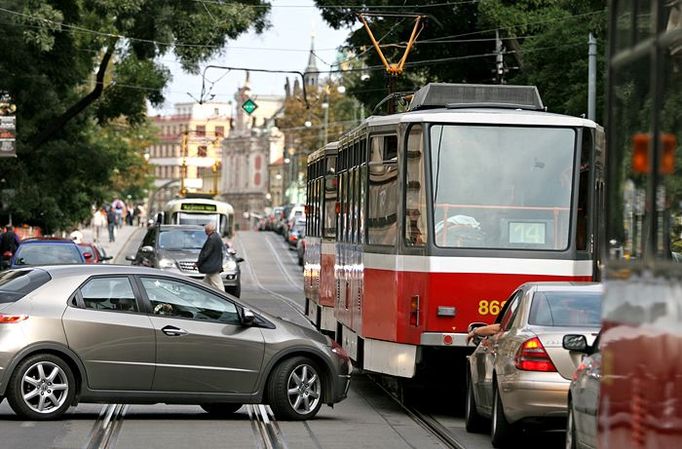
[
  {"x": 99, "y": 220},
  {"x": 9, "y": 242},
  {"x": 210, "y": 260},
  {"x": 111, "y": 224}
]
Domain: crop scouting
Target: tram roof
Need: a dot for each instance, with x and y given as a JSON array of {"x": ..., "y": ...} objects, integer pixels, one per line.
[
  {"x": 329, "y": 149},
  {"x": 226, "y": 207},
  {"x": 480, "y": 115}
]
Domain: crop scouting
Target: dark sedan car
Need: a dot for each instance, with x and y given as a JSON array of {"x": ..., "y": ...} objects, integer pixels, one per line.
[
  {"x": 176, "y": 248},
  {"x": 46, "y": 251},
  {"x": 104, "y": 333}
]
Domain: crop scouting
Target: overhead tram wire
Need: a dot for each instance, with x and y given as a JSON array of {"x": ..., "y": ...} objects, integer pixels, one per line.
[{"x": 345, "y": 6}]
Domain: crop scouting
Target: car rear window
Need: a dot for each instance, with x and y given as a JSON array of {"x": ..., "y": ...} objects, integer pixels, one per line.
[
  {"x": 566, "y": 309},
  {"x": 16, "y": 284},
  {"x": 48, "y": 254}
]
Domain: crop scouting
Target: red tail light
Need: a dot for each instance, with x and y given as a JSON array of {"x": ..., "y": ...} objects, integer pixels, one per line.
[
  {"x": 532, "y": 356},
  {"x": 9, "y": 319},
  {"x": 414, "y": 310}
]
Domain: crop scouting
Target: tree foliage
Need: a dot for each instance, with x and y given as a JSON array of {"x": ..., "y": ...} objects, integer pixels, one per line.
[
  {"x": 545, "y": 43},
  {"x": 81, "y": 71}
]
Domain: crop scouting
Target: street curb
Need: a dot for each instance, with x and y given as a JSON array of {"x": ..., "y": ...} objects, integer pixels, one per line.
[{"x": 117, "y": 260}]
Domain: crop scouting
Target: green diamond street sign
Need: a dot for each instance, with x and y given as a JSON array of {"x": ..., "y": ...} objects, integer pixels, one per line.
[{"x": 249, "y": 106}]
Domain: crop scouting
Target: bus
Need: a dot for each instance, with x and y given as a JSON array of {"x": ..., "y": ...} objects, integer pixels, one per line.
[
  {"x": 445, "y": 209},
  {"x": 318, "y": 265},
  {"x": 640, "y": 403},
  {"x": 200, "y": 211}
]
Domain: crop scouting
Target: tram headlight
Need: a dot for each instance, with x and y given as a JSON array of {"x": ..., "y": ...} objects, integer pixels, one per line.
[{"x": 166, "y": 263}]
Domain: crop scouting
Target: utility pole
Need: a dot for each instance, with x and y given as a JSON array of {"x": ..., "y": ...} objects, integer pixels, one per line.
[
  {"x": 499, "y": 58},
  {"x": 183, "y": 167},
  {"x": 592, "y": 77}
]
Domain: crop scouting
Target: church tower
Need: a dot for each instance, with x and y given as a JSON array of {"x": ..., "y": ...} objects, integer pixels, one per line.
[{"x": 311, "y": 75}]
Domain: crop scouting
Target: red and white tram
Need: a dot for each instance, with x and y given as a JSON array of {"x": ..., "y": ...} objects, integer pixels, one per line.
[
  {"x": 445, "y": 209},
  {"x": 318, "y": 267}
]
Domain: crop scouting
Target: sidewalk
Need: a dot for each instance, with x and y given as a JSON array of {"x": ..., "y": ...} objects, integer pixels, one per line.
[{"x": 113, "y": 249}]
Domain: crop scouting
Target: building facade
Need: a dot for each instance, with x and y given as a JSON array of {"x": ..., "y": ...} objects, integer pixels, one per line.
[
  {"x": 188, "y": 153},
  {"x": 247, "y": 153}
]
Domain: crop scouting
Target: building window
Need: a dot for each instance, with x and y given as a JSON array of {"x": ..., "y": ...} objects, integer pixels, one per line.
[
  {"x": 220, "y": 131},
  {"x": 216, "y": 111},
  {"x": 201, "y": 131},
  {"x": 257, "y": 163}
]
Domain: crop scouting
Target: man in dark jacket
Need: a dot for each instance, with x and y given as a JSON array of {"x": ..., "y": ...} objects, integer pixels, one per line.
[
  {"x": 211, "y": 258},
  {"x": 9, "y": 241}
]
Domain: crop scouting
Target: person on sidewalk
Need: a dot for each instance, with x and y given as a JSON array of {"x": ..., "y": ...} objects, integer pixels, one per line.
[
  {"x": 210, "y": 260},
  {"x": 9, "y": 242},
  {"x": 111, "y": 224},
  {"x": 99, "y": 219}
]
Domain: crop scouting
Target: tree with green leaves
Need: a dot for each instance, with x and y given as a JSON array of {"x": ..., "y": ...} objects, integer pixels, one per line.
[{"x": 77, "y": 67}]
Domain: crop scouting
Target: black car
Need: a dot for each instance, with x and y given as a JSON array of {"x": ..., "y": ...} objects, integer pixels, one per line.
[{"x": 176, "y": 248}]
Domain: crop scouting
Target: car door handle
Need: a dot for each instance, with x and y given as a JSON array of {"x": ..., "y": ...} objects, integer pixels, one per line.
[{"x": 173, "y": 331}]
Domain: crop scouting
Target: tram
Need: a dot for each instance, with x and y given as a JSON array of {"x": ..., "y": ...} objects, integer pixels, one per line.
[
  {"x": 199, "y": 211},
  {"x": 445, "y": 209},
  {"x": 318, "y": 266},
  {"x": 640, "y": 404}
]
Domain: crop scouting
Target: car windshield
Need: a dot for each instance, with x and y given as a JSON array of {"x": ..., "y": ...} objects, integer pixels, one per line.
[
  {"x": 566, "y": 309},
  {"x": 178, "y": 239},
  {"x": 16, "y": 284},
  {"x": 48, "y": 254},
  {"x": 501, "y": 186}
]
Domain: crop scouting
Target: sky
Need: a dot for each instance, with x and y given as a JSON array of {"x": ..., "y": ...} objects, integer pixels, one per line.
[{"x": 284, "y": 46}]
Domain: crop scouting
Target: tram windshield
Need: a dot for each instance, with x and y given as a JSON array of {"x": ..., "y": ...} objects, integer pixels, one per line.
[{"x": 502, "y": 187}]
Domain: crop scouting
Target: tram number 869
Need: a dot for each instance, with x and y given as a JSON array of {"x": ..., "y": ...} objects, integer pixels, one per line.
[{"x": 490, "y": 307}]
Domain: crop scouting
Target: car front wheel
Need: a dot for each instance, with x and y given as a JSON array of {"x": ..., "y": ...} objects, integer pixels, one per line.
[
  {"x": 295, "y": 389},
  {"x": 41, "y": 388}
]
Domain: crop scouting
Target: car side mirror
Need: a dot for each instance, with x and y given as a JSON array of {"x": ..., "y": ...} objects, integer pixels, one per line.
[
  {"x": 248, "y": 317},
  {"x": 577, "y": 343},
  {"x": 111, "y": 257},
  {"x": 87, "y": 256},
  {"x": 147, "y": 249},
  {"x": 476, "y": 324},
  {"x": 240, "y": 259},
  {"x": 128, "y": 258}
]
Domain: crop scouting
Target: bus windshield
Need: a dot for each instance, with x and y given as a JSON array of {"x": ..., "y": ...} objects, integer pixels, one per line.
[{"x": 502, "y": 187}]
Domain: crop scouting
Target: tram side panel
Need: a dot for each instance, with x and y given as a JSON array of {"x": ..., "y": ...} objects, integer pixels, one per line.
[{"x": 311, "y": 277}]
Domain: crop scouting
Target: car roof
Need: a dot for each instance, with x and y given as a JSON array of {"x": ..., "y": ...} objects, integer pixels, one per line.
[
  {"x": 586, "y": 287},
  {"x": 89, "y": 270},
  {"x": 170, "y": 227},
  {"x": 38, "y": 240}
]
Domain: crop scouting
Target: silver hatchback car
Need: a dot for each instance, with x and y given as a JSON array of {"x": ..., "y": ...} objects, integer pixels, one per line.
[
  {"x": 521, "y": 374},
  {"x": 106, "y": 333}
]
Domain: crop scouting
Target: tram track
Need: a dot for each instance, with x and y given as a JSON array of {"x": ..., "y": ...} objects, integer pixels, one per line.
[
  {"x": 265, "y": 428},
  {"x": 107, "y": 427},
  {"x": 424, "y": 419},
  {"x": 252, "y": 273}
]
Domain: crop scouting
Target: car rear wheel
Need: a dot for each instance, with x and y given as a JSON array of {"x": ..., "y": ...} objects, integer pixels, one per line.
[
  {"x": 295, "y": 389},
  {"x": 571, "y": 442},
  {"x": 221, "y": 409},
  {"x": 473, "y": 421},
  {"x": 41, "y": 388},
  {"x": 501, "y": 430}
]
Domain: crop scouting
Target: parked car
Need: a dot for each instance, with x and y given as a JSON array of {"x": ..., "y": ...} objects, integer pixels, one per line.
[
  {"x": 583, "y": 394},
  {"x": 300, "y": 251},
  {"x": 111, "y": 333},
  {"x": 176, "y": 248},
  {"x": 46, "y": 251},
  {"x": 93, "y": 253},
  {"x": 522, "y": 373},
  {"x": 296, "y": 233}
]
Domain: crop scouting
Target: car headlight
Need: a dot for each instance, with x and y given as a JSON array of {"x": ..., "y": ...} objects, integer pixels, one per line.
[
  {"x": 229, "y": 265},
  {"x": 166, "y": 263}
]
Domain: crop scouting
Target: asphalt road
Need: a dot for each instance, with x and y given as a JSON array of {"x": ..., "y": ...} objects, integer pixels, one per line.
[{"x": 271, "y": 281}]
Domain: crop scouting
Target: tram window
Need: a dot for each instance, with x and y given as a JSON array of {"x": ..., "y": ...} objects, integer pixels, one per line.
[
  {"x": 390, "y": 147},
  {"x": 415, "y": 191},
  {"x": 582, "y": 231},
  {"x": 382, "y": 195}
]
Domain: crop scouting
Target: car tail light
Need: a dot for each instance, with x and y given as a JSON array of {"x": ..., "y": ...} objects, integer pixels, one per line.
[
  {"x": 532, "y": 356},
  {"x": 9, "y": 319},
  {"x": 414, "y": 310}
]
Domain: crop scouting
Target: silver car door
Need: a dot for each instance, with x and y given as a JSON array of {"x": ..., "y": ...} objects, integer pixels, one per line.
[
  {"x": 201, "y": 345},
  {"x": 105, "y": 326}
]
